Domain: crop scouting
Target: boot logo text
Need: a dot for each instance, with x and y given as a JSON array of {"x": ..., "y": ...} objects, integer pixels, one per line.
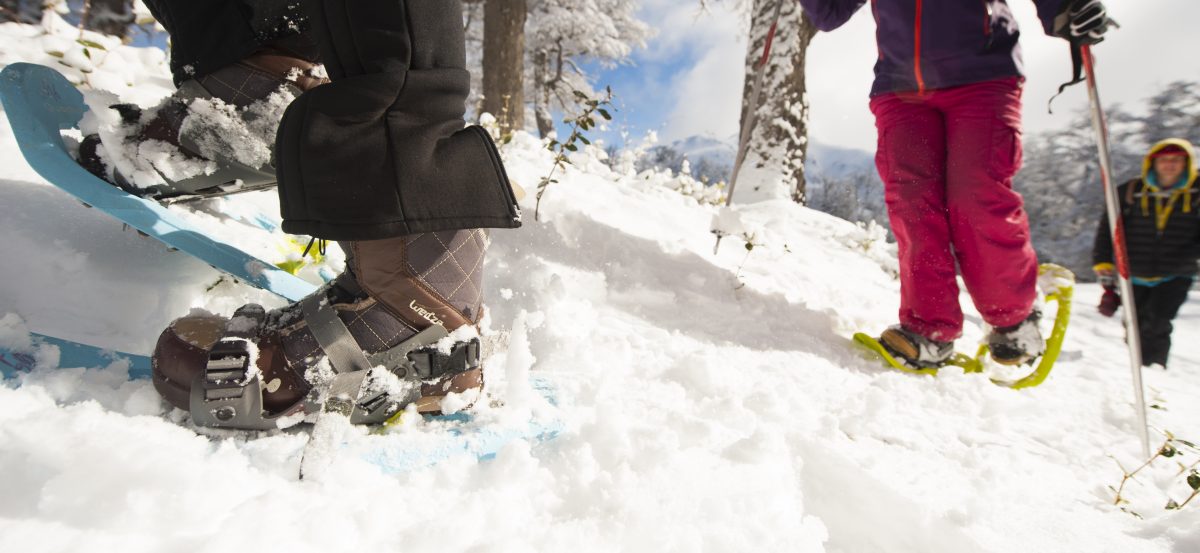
[{"x": 424, "y": 313}]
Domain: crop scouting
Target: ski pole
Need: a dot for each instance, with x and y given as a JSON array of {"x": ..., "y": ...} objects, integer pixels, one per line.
[
  {"x": 1120, "y": 252},
  {"x": 751, "y": 114}
]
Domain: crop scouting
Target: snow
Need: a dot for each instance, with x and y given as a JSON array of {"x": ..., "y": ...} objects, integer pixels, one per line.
[{"x": 710, "y": 402}]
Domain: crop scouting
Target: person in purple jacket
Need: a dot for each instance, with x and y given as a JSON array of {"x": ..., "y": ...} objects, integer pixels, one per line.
[{"x": 947, "y": 105}]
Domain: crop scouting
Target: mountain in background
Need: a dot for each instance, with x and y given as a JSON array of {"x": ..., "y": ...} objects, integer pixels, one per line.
[
  {"x": 841, "y": 181},
  {"x": 715, "y": 156}
]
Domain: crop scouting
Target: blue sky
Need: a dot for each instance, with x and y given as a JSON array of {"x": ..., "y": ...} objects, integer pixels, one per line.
[{"x": 688, "y": 80}]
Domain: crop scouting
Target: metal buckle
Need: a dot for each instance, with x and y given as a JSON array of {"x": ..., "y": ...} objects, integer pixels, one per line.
[{"x": 429, "y": 363}]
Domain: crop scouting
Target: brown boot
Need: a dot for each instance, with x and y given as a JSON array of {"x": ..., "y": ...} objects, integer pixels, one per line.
[
  {"x": 193, "y": 146},
  {"x": 396, "y": 295}
]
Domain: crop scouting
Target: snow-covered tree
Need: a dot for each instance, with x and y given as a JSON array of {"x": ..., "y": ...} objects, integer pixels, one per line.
[
  {"x": 1060, "y": 181},
  {"x": 774, "y": 164},
  {"x": 1173, "y": 113},
  {"x": 564, "y": 41},
  {"x": 565, "y": 37}
]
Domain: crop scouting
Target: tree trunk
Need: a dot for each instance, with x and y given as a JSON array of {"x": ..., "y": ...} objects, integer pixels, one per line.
[
  {"x": 21, "y": 11},
  {"x": 504, "y": 62},
  {"x": 774, "y": 164},
  {"x": 110, "y": 17},
  {"x": 542, "y": 90}
]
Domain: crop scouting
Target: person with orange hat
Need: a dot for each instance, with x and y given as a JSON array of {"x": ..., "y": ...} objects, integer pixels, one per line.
[{"x": 1161, "y": 215}]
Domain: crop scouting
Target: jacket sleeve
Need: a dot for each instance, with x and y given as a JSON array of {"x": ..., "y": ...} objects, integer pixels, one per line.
[
  {"x": 1048, "y": 10},
  {"x": 828, "y": 15}
]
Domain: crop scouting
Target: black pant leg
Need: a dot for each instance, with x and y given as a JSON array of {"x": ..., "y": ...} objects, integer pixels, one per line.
[
  {"x": 1167, "y": 301},
  {"x": 1149, "y": 334},
  {"x": 381, "y": 151},
  {"x": 1157, "y": 307},
  {"x": 207, "y": 35}
]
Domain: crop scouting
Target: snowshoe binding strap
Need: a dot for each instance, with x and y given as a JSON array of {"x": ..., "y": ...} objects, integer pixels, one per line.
[
  {"x": 414, "y": 360},
  {"x": 331, "y": 334},
  {"x": 229, "y": 394}
]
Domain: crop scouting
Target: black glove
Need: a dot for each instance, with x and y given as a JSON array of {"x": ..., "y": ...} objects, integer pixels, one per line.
[
  {"x": 1109, "y": 302},
  {"x": 1082, "y": 21}
]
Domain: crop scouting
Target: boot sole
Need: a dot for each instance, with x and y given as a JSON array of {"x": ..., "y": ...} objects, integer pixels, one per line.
[
  {"x": 1014, "y": 362},
  {"x": 899, "y": 346}
]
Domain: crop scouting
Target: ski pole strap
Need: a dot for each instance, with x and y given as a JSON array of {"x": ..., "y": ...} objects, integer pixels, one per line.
[{"x": 1077, "y": 65}]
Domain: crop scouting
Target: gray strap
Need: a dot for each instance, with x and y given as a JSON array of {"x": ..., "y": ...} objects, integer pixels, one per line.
[{"x": 332, "y": 335}]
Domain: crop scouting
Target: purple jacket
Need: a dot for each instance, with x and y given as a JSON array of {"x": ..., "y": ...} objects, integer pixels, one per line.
[{"x": 931, "y": 44}]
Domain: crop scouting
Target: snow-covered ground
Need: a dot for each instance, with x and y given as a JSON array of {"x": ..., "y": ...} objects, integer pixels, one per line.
[{"x": 711, "y": 402}]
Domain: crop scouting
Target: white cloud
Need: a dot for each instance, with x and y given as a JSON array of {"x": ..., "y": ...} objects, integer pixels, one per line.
[{"x": 706, "y": 96}]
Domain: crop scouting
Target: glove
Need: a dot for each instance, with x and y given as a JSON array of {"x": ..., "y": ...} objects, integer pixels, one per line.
[
  {"x": 1082, "y": 22},
  {"x": 1109, "y": 302}
]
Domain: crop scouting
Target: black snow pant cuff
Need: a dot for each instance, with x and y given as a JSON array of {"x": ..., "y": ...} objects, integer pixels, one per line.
[{"x": 381, "y": 151}]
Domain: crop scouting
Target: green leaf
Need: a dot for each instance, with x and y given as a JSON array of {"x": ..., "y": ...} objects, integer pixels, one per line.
[
  {"x": 749, "y": 247},
  {"x": 87, "y": 53},
  {"x": 1157, "y": 406},
  {"x": 56, "y": 53},
  {"x": 1193, "y": 480},
  {"x": 585, "y": 140},
  {"x": 1168, "y": 451},
  {"x": 604, "y": 113},
  {"x": 1172, "y": 505},
  {"x": 572, "y": 147},
  {"x": 91, "y": 44},
  {"x": 580, "y": 95},
  {"x": 1187, "y": 443}
]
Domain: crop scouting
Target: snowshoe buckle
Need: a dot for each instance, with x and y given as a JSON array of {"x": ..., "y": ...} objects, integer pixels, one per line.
[{"x": 226, "y": 394}]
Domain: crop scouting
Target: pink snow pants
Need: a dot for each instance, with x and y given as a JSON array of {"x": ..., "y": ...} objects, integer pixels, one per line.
[{"x": 947, "y": 158}]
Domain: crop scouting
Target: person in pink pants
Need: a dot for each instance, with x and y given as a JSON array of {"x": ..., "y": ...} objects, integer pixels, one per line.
[
  {"x": 947, "y": 105},
  {"x": 947, "y": 159}
]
